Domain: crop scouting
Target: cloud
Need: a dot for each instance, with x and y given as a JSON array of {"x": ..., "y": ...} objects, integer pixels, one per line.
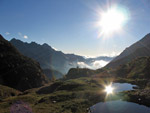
[
  {"x": 112, "y": 54},
  {"x": 94, "y": 65},
  {"x": 86, "y": 57},
  {"x": 25, "y": 36},
  {"x": 99, "y": 64},
  {"x": 83, "y": 65},
  {"x": 7, "y": 33}
]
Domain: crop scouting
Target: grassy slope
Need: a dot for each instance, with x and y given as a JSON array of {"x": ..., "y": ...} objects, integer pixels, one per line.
[
  {"x": 7, "y": 92},
  {"x": 137, "y": 68},
  {"x": 71, "y": 96}
]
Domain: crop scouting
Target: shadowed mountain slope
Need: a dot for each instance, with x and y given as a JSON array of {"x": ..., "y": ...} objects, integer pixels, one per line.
[{"x": 18, "y": 71}]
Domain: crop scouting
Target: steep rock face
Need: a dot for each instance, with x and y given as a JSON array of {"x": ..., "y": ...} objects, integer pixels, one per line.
[
  {"x": 18, "y": 71},
  {"x": 139, "y": 49}
]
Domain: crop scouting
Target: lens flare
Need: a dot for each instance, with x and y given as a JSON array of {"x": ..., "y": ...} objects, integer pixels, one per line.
[
  {"x": 109, "y": 89},
  {"x": 112, "y": 20}
]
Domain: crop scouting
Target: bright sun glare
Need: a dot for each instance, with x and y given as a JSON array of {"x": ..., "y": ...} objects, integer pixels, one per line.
[
  {"x": 109, "y": 89},
  {"x": 112, "y": 20}
]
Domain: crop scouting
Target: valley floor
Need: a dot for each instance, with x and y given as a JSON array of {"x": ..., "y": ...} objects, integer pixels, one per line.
[{"x": 70, "y": 96}]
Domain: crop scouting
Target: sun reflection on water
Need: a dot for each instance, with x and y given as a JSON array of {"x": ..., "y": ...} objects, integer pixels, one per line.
[{"x": 109, "y": 89}]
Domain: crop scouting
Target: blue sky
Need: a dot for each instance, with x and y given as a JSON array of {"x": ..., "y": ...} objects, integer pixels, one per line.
[{"x": 67, "y": 25}]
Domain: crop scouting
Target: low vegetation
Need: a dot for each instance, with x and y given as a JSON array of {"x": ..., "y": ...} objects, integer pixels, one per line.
[{"x": 69, "y": 96}]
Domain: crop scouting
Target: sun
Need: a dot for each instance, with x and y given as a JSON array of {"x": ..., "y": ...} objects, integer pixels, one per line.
[
  {"x": 112, "y": 20},
  {"x": 109, "y": 89}
]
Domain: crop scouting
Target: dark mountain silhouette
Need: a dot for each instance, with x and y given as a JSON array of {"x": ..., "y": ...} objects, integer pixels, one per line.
[
  {"x": 52, "y": 59},
  {"x": 139, "y": 49},
  {"x": 18, "y": 71}
]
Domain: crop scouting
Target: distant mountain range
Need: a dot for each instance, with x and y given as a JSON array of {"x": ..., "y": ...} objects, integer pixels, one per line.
[
  {"x": 138, "y": 49},
  {"x": 49, "y": 58},
  {"x": 18, "y": 71}
]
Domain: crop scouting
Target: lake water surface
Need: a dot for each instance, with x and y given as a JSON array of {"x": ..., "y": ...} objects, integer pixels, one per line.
[
  {"x": 119, "y": 106},
  {"x": 118, "y": 87}
]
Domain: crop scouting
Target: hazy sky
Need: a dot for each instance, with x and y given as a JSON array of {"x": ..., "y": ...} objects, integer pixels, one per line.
[{"x": 69, "y": 25}]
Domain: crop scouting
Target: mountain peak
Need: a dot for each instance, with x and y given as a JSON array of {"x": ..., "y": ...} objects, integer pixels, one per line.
[
  {"x": 33, "y": 43},
  {"x": 14, "y": 39},
  {"x": 46, "y": 45}
]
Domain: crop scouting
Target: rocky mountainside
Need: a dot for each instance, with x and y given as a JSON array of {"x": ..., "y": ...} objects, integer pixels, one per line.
[
  {"x": 77, "y": 73},
  {"x": 49, "y": 58},
  {"x": 18, "y": 71},
  {"x": 139, "y": 49},
  {"x": 138, "y": 68}
]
